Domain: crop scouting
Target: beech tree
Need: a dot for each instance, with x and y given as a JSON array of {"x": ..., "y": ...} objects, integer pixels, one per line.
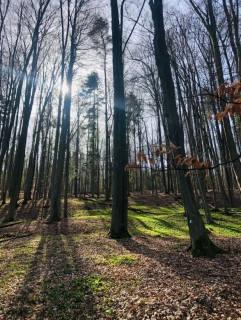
[
  {"x": 201, "y": 245},
  {"x": 118, "y": 228}
]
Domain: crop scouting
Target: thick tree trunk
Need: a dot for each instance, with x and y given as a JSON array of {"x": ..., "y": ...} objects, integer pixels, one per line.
[
  {"x": 118, "y": 228},
  {"x": 201, "y": 245}
]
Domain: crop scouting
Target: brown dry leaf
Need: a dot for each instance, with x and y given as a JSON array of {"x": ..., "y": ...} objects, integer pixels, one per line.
[
  {"x": 144, "y": 158},
  {"x": 139, "y": 156},
  {"x": 231, "y": 95},
  {"x": 132, "y": 166},
  {"x": 179, "y": 159},
  {"x": 219, "y": 116},
  {"x": 207, "y": 163},
  {"x": 228, "y": 90},
  {"x": 235, "y": 84},
  {"x": 237, "y": 90},
  {"x": 221, "y": 89},
  {"x": 157, "y": 152},
  {"x": 237, "y": 100},
  {"x": 187, "y": 173},
  {"x": 187, "y": 161},
  {"x": 194, "y": 159},
  {"x": 178, "y": 156},
  {"x": 197, "y": 164},
  {"x": 172, "y": 145},
  {"x": 162, "y": 152},
  {"x": 209, "y": 115}
]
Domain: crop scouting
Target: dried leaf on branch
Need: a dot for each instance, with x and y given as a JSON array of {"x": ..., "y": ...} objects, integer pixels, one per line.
[{"x": 132, "y": 166}]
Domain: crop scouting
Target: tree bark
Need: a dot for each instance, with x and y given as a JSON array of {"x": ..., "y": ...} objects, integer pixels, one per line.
[
  {"x": 201, "y": 245},
  {"x": 118, "y": 228}
]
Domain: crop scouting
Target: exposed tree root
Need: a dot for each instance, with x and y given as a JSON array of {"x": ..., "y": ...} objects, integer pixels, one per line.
[
  {"x": 120, "y": 235},
  {"x": 7, "y": 220},
  {"x": 204, "y": 247}
]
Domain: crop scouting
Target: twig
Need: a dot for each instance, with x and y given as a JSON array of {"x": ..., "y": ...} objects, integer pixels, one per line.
[
  {"x": 5, "y": 225},
  {"x": 17, "y": 237}
]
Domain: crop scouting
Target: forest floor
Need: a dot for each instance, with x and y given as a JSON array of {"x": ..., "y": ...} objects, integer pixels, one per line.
[{"x": 71, "y": 270}]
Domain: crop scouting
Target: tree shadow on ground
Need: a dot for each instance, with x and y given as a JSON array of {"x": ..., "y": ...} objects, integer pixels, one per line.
[
  {"x": 156, "y": 226},
  {"x": 171, "y": 254},
  {"x": 55, "y": 284}
]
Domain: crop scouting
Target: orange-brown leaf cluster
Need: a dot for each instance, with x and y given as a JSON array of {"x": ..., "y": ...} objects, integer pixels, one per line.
[
  {"x": 159, "y": 152},
  {"x": 181, "y": 160},
  {"x": 231, "y": 91},
  {"x": 195, "y": 163},
  {"x": 141, "y": 156},
  {"x": 231, "y": 109},
  {"x": 132, "y": 165}
]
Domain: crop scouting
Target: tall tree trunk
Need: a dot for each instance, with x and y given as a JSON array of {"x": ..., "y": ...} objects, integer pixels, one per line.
[
  {"x": 201, "y": 245},
  {"x": 76, "y": 178},
  {"x": 107, "y": 187},
  {"x": 118, "y": 228}
]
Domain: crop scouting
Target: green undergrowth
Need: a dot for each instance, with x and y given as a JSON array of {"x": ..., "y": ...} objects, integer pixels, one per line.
[
  {"x": 116, "y": 260},
  {"x": 46, "y": 277},
  {"x": 58, "y": 276},
  {"x": 157, "y": 220},
  {"x": 226, "y": 225},
  {"x": 64, "y": 299}
]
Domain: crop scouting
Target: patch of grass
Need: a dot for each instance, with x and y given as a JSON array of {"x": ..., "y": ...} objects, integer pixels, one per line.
[
  {"x": 95, "y": 208},
  {"x": 155, "y": 220},
  {"x": 169, "y": 223},
  {"x": 16, "y": 261},
  {"x": 92, "y": 214},
  {"x": 63, "y": 300},
  {"x": 226, "y": 226},
  {"x": 115, "y": 260}
]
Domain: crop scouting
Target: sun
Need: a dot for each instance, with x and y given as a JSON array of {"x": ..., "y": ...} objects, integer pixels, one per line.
[{"x": 65, "y": 89}]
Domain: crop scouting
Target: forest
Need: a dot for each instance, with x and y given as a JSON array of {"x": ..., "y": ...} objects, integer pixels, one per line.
[{"x": 120, "y": 150}]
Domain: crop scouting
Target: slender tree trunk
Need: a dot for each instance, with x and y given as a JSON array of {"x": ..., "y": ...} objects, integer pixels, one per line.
[
  {"x": 107, "y": 188},
  {"x": 66, "y": 180},
  {"x": 20, "y": 153},
  {"x": 77, "y": 154}
]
